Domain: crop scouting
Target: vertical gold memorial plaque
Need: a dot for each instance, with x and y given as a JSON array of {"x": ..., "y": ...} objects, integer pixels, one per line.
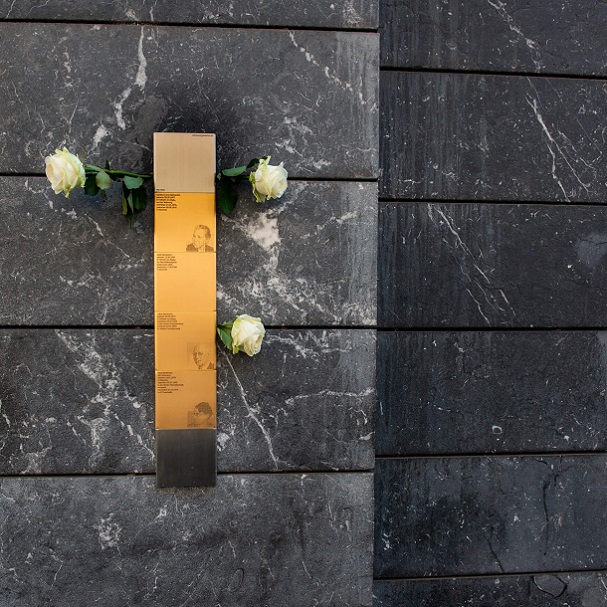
[{"x": 184, "y": 309}]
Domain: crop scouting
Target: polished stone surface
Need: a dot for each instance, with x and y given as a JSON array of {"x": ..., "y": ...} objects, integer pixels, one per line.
[
  {"x": 72, "y": 261},
  {"x": 306, "y": 259},
  {"x": 310, "y": 101},
  {"x": 540, "y": 590},
  {"x": 353, "y": 14},
  {"x": 309, "y": 258},
  {"x": 491, "y": 392},
  {"x": 489, "y": 515},
  {"x": 479, "y": 137},
  {"x": 306, "y": 403},
  {"x": 481, "y": 265},
  {"x": 486, "y": 102},
  {"x": 253, "y": 540},
  {"x": 82, "y": 401},
  {"x": 82, "y": 521},
  {"x": 514, "y": 36}
]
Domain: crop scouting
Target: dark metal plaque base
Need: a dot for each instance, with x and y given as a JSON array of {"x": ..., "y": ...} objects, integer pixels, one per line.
[{"x": 186, "y": 458}]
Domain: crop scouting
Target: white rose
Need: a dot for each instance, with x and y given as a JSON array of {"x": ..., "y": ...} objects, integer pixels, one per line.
[
  {"x": 247, "y": 334},
  {"x": 64, "y": 171},
  {"x": 269, "y": 181}
]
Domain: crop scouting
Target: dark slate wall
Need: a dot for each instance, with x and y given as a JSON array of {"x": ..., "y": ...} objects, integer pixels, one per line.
[
  {"x": 516, "y": 36},
  {"x": 483, "y": 265},
  {"x": 168, "y": 78},
  {"x": 539, "y": 590},
  {"x": 326, "y": 14},
  {"x": 491, "y": 368},
  {"x": 502, "y": 392},
  {"x": 481, "y": 137},
  {"x": 310, "y": 250},
  {"x": 291, "y": 519}
]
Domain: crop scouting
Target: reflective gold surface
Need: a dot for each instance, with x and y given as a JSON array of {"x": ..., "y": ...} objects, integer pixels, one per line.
[{"x": 185, "y": 280}]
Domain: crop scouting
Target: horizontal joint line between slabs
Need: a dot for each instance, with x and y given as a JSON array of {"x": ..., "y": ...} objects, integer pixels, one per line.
[
  {"x": 485, "y": 329},
  {"x": 244, "y": 26},
  {"x": 151, "y": 327},
  {"x": 295, "y": 472},
  {"x": 291, "y": 179},
  {"x": 435, "y": 578},
  {"x": 551, "y": 205},
  {"x": 78, "y": 327},
  {"x": 502, "y": 455},
  {"x": 153, "y": 474},
  {"x": 337, "y": 179},
  {"x": 322, "y": 327},
  {"x": 521, "y": 74}
]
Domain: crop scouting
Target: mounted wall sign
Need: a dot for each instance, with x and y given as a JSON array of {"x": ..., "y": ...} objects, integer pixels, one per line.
[{"x": 184, "y": 309}]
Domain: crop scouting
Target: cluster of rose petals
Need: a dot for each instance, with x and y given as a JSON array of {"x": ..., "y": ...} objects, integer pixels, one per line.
[
  {"x": 269, "y": 181},
  {"x": 65, "y": 171},
  {"x": 247, "y": 334}
]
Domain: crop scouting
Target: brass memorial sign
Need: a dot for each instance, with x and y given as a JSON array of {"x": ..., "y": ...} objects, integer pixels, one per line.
[{"x": 185, "y": 309}]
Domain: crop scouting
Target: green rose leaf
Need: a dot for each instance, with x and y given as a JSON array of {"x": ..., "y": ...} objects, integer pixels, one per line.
[
  {"x": 234, "y": 172},
  {"x": 133, "y": 201},
  {"x": 125, "y": 204},
  {"x": 90, "y": 186},
  {"x": 132, "y": 183},
  {"x": 225, "y": 334},
  {"x": 103, "y": 180},
  {"x": 227, "y": 196},
  {"x": 127, "y": 201},
  {"x": 131, "y": 205},
  {"x": 255, "y": 161},
  {"x": 140, "y": 198}
]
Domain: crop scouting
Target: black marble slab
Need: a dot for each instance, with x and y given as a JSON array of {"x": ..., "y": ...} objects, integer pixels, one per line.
[
  {"x": 490, "y": 515},
  {"x": 483, "y": 265},
  {"x": 252, "y": 540},
  {"x": 475, "y": 137},
  {"x": 353, "y": 14},
  {"x": 541, "y": 590},
  {"x": 308, "y": 98},
  {"x": 306, "y": 403},
  {"x": 515, "y": 36},
  {"x": 82, "y": 401},
  {"x": 308, "y": 258},
  {"x": 72, "y": 261},
  {"x": 491, "y": 392},
  {"x": 76, "y": 401}
]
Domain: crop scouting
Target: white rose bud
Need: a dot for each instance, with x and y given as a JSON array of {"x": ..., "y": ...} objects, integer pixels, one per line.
[
  {"x": 269, "y": 181},
  {"x": 247, "y": 334},
  {"x": 64, "y": 171}
]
